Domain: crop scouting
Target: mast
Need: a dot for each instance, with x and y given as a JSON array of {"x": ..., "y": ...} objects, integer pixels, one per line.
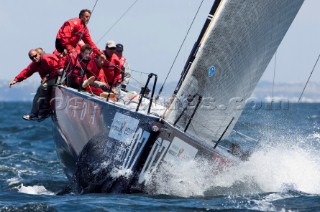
[{"x": 197, "y": 44}]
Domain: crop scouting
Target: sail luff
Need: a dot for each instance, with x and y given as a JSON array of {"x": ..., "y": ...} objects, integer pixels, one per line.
[
  {"x": 234, "y": 52},
  {"x": 196, "y": 45}
]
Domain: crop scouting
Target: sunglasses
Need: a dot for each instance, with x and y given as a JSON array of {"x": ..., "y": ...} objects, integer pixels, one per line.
[{"x": 33, "y": 56}]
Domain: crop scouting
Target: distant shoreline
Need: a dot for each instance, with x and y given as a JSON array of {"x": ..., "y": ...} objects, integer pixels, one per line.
[{"x": 24, "y": 91}]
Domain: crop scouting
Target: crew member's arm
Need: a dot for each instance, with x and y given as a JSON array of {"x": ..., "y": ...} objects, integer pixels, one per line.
[
  {"x": 24, "y": 74},
  {"x": 87, "y": 39}
]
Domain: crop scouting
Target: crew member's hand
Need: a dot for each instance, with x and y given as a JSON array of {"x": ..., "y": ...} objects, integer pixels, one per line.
[
  {"x": 12, "y": 83},
  {"x": 103, "y": 56},
  {"x": 45, "y": 79},
  {"x": 72, "y": 53},
  {"x": 60, "y": 72}
]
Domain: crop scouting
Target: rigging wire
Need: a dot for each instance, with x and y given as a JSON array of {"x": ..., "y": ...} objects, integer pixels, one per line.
[
  {"x": 138, "y": 71},
  {"x": 94, "y": 6},
  {"x": 140, "y": 84},
  {"x": 274, "y": 73},
  {"x": 309, "y": 78},
  {"x": 117, "y": 21},
  {"x": 179, "y": 50}
]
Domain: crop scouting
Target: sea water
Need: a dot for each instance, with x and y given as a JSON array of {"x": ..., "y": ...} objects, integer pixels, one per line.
[{"x": 281, "y": 174}]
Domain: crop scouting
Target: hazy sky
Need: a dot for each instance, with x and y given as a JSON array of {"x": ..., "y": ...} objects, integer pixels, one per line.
[{"x": 151, "y": 33}]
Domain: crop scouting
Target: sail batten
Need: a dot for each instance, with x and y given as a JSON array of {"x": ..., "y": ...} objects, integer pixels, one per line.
[{"x": 233, "y": 53}]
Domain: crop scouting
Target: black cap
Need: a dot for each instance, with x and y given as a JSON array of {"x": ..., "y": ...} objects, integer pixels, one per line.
[{"x": 119, "y": 47}]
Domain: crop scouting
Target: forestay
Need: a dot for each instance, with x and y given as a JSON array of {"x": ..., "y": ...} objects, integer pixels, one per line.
[{"x": 232, "y": 55}]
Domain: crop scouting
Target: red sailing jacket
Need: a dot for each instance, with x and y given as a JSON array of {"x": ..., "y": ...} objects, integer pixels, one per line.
[
  {"x": 74, "y": 30},
  {"x": 78, "y": 69},
  {"x": 93, "y": 69},
  {"x": 75, "y": 68},
  {"x": 111, "y": 70},
  {"x": 47, "y": 65},
  {"x": 122, "y": 61}
]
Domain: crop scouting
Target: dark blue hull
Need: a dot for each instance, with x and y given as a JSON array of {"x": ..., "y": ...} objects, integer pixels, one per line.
[{"x": 96, "y": 139}]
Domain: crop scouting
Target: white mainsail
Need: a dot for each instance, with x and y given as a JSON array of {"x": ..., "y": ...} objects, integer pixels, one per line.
[{"x": 232, "y": 55}]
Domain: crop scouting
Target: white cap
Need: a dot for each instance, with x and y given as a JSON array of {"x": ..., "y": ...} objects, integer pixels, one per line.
[{"x": 111, "y": 44}]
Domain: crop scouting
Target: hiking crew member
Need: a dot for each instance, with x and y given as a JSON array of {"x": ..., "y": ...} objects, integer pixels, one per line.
[
  {"x": 47, "y": 67},
  {"x": 73, "y": 31}
]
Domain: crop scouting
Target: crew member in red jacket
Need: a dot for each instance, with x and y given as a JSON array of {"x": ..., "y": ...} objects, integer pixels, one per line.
[
  {"x": 125, "y": 70},
  {"x": 47, "y": 67},
  {"x": 93, "y": 83},
  {"x": 73, "y": 31},
  {"x": 79, "y": 67},
  {"x": 111, "y": 67}
]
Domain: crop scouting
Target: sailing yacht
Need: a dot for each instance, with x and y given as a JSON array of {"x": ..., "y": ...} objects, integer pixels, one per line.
[{"x": 119, "y": 147}]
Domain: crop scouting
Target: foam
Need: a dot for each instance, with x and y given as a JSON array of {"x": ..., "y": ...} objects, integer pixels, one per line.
[
  {"x": 37, "y": 190},
  {"x": 288, "y": 164},
  {"x": 13, "y": 180}
]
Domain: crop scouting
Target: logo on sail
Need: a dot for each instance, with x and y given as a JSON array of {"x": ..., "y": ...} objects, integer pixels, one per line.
[{"x": 211, "y": 71}]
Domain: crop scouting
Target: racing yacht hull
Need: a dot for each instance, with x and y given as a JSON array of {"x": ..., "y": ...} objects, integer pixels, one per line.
[{"x": 105, "y": 147}]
